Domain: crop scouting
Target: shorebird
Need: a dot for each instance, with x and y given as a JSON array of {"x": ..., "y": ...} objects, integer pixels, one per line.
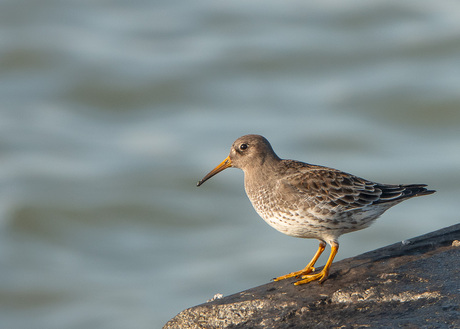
[{"x": 310, "y": 201}]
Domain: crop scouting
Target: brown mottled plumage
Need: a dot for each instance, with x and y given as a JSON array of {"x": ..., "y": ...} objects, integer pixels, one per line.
[{"x": 309, "y": 201}]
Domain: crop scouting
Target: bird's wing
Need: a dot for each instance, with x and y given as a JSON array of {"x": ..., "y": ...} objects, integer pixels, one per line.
[{"x": 339, "y": 189}]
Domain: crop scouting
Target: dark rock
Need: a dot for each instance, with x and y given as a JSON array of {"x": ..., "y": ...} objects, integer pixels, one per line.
[{"x": 411, "y": 284}]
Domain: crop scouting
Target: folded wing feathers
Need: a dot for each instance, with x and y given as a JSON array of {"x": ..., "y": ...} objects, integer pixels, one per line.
[{"x": 351, "y": 192}]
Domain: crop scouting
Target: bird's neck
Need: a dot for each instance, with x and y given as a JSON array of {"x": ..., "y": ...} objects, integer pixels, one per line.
[{"x": 260, "y": 175}]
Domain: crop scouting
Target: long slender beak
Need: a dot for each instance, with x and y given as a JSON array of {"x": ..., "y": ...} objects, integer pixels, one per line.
[{"x": 222, "y": 166}]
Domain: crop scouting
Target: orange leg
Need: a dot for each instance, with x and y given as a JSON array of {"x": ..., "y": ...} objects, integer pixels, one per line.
[
  {"x": 321, "y": 276},
  {"x": 309, "y": 268}
]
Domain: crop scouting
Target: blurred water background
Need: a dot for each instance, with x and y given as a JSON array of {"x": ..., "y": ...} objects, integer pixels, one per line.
[{"x": 111, "y": 111}]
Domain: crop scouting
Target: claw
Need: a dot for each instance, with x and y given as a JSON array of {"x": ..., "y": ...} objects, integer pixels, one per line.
[
  {"x": 297, "y": 274},
  {"x": 321, "y": 277}
]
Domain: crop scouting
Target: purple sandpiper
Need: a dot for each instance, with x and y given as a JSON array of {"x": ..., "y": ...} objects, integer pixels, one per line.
[{"x": 310, "y": 201}]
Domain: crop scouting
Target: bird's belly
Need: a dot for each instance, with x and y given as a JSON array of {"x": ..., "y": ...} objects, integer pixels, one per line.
[{"x": 315, "y": 224}]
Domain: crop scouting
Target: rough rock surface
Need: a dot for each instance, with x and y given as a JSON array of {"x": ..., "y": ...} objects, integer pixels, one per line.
[{"x": 411, "y": 284}]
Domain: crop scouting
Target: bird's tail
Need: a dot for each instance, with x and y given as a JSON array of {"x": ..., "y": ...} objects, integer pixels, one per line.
[{"x": 400, "y": 192}]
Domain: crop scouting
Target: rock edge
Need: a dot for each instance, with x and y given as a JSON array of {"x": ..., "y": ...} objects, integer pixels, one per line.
[{"x": 413, "y": 284}]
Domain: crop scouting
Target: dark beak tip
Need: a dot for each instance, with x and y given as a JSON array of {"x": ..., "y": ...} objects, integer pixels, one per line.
[{"x": 223, "y": 165}]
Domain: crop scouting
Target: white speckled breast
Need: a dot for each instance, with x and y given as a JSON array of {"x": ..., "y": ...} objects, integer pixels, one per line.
[{"x": 304, "y": 219}]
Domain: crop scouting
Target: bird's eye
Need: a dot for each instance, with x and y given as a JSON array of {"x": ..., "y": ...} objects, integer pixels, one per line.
[{"x": 243, "y": 146}]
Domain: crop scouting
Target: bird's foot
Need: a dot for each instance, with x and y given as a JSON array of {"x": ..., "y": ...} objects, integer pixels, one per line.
[
  {"x": 297, "y": 274},
  {"x": 321, "y": 277}
]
